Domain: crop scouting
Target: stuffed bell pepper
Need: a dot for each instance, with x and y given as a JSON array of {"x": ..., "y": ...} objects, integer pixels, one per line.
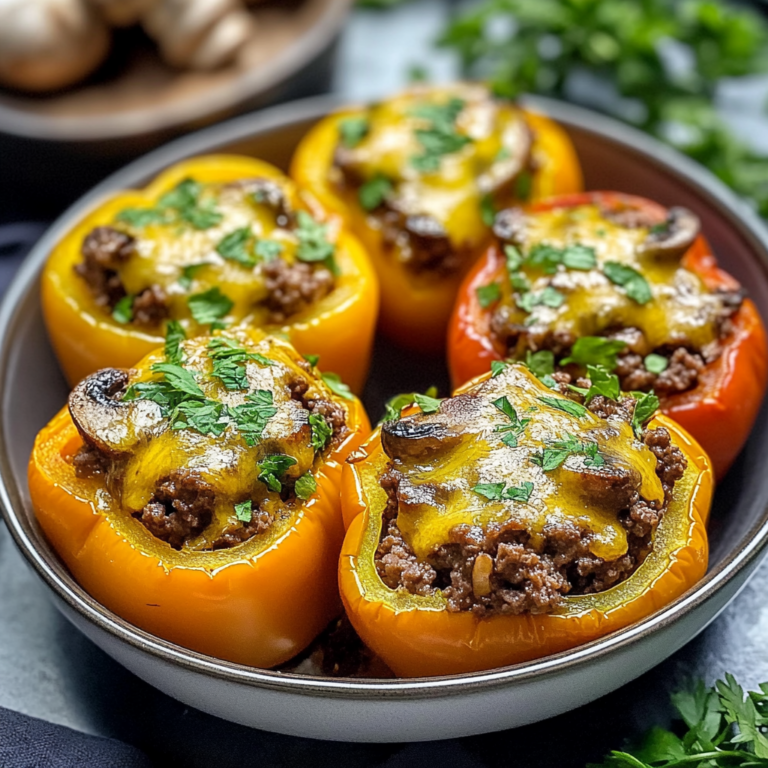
[
  {"x": 418, "y": 177},
  {"x": 513, "y": 521},
  {"x": 196, "y": 494},
  {"x": 214, "y": 241},
  {"x": 618, "y": 282}
]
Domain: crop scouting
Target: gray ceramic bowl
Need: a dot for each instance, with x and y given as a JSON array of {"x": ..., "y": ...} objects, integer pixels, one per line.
[{"x": 32, "y": 390}]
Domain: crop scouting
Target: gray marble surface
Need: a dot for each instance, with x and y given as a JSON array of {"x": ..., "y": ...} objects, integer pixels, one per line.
[{"x": 49, "y": 670}]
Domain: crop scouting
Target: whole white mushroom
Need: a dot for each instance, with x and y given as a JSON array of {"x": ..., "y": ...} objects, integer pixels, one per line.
[{"x": 49, "y": 44}]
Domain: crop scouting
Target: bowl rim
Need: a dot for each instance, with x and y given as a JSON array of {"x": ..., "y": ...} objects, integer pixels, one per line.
[
  {"x": 742, "y": 218},
  {"x": 142, "y": 121}
]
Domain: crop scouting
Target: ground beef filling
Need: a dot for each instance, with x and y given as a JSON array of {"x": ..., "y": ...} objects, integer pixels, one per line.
[
  {"x": 104, "y": 250},
  {"x": 684, "y": 365},
  {"x": 292, "y": 288},
  {"x": 500, "y": 570}
]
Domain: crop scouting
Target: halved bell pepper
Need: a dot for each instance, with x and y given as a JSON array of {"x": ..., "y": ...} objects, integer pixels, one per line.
[
  {"x": 189, "y": 242},
  {"x": 417, "y": 636},
  {"x": 718, "y": 411},
  {"x": 450, "y": 202},
  {"x": 258, "y": 602}
]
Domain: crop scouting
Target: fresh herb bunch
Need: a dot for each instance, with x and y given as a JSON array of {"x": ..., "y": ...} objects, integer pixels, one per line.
[
  {"x": 539, "y": 46},
  {"x": 723, "y": 728}
]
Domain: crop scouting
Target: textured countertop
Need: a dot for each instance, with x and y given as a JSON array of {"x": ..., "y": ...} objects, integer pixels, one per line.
[{"x": 50, "y": 670}]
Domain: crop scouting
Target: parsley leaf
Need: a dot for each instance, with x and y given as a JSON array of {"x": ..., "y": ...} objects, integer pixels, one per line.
[
  {"x": 555, "y": 453},
  {"x": 541, "y": 363},
  {"x": 578, "y": 256},
  {"x": 244, "y": 511},
  {"x": 647, "y": 405},
  {"x": 487, "y": 210},
  {"x": 441, "y": 137},
  {"x": 488, "y": 294},
  {"x": 188, "y": 274},
  {"x": 229, "y": 360},
  {"x": 635, "y": 285},
  {"x": 595, "y": 350},
  {"x": 305, "y": 486},
  {"x": 267, "y": 250},
  {"x": 337, "y": 386},
  {"x": 491, "y": 491},
  {"x": 174, "y": 335},
  {"x": 497, "y": 366},
  {"x": 204, "y": 416},
  {"x": 395, "y": 404},
  {"x": 352, "y": 130},
  {"x": 374, "y": 192},
  {"x": 140, "y": 217},
  {"x": 251, "y": 417},
  {"x": 549, "y": 297},
  {"x": 513, "y": 257},
  {"x": 548, "y": 258},
  {"x": 234, "y": 247},
  {"x": 655, "y": 363},
  {"x": 602, "y": 382},
  {"x": 321, "y": 431},
  {"x": 510, "y": 433},
  {"x": 179, "y": 378},
  {"x": 314, "y": 245},
  {"x": 272, "y": 468},
  {"x": 426, "y": 403},
  {"x": 563, "y": 404},
  {"x": 209, "y": 306},
  {"x": 123, "y": 311},
  {"x": 313, "y": 360}
]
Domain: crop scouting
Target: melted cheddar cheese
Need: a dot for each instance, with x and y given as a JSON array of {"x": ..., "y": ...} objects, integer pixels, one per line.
[
  {"x": 438, "y": 481},
  {"x": 681, "y": 310},
  {"x": 496, "y": 151}
]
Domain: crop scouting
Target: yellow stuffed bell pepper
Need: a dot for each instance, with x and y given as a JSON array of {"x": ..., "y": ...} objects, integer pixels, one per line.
[
  {"x": 196, "y": 495},
  {"x": 213, "y": 242},
  {"x": 418, "y": 177},
  {"x": 511, "y": 522}
]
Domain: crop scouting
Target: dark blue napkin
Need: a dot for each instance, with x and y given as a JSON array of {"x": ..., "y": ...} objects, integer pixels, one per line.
[{"x": 26, "y": 742}]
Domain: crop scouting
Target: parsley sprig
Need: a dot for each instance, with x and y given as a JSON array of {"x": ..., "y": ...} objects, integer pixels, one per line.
[
  {"x": 428, "y": 402},
  {"x": 229, "y": 362},
  {"x": 726, "y": 728},
  {"x": 626, "y": 46},
  {"x": 314, "y": 245},
  {"x": 500, "y": 491},
  {"x": 510, "y": 433},
  {"x": 440, "y": 137},
  {"x": 556, "y": 452}
]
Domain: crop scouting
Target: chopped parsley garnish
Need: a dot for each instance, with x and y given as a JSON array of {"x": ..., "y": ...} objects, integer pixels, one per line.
[
  {"x": 514, "y": 258},
  {"x": 602, "y": 382},
  {"x": 498, "y": 491},
  {"x": 244, "y": 511},
  {"x": 541, "y": 363},
  {"x": 174, "y": 335},
  {"x": 229, "y": 360},
  {"x": 352, "y": 130},
  {"x": 314, "y": 245},
  {"x": 337, "y": 386},
  {"x": 204, "y": 416},
  {"x": 426, "y": 403},
  {"x": 634, "y": 284},
  {"x": 497, "y": 366},
  {"x": 595, "y": 350},
  {"x": 209, "y": 306},
  {"x": 655, "y": 363},
  {"x": 558, "y": 451},
  {"x": 236, "y": 246},
  {"x": 251, "y": 417},
  {"x": 181, "y": 379},
  {"x": 510, "y": 433},
  {"x": 321, "y": 431},
  {"x": 487, "y": 210},
  {"x": 646, "y": 406},
  {"x": 313, "y": 360},
  {"x": 181, "y": 204},
  {"x": 441, "y": 138},
  {"x": 267, "y": 249},
  {"x": 563, "y": 404},
  {"x": 188, "y": 274},
  {"x": 374, "y": 192},
  {"x": 305, "y": 486},
  {"x": 549, "y": 297},
  {"x": 488, "y": 294},
  {"x": 123, "y": 311},
  {"x": 548, "y": 258},
  {"x": 519, "y": 282},
  {"x": 395, "y": 404},
  {"x": 272, "y": 468}
]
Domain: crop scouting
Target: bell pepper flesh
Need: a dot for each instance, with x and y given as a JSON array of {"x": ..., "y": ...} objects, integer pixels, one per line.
[{"x": 339, "y": 328}]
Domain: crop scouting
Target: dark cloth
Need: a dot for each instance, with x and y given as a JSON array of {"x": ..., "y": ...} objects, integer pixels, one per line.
[{"x": 26, "y": 742}]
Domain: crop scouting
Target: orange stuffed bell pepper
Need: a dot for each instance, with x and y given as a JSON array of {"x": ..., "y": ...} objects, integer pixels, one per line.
[
  {"x": 620, "y": 282},
  {"x": 213, "y": 241},
  {"x": 511, "y": 522},
  {"x": 196, "y": 495},
  {"x": 418, "y": 177}
]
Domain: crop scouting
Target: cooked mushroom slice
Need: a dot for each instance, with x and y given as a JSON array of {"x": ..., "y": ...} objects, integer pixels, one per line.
[
  {"x": 674, "y": 237},
  {"x": 419, "y": 435},
  {"x": 103, "y": 419},
  {"x": 509, "y": 226}
]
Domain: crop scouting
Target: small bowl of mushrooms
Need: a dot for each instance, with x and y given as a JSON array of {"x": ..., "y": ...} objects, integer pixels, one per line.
[{"x": 85, "y": 85}]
